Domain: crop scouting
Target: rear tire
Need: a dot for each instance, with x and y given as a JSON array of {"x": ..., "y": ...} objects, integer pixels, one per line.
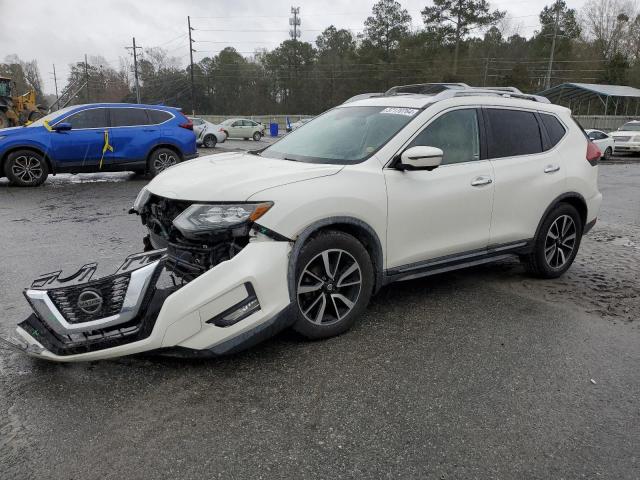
[
  {"x": 557, "y": 243},
  {"x": 334, "y": 282},
  {"x": 26, "y": 168},
  {"x": 161, "y": 159},
  {"x": 209, "y": 141},
  {"x": 35, "y": 115},
  {"x": 257, "y": 136}
]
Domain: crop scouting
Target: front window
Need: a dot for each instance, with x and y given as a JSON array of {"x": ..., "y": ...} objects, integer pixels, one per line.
[
  {"x": 91, "y": 118},
  {"x": 631, "y": 127},
  {"x": 456, "y": 133},
  {"x": 343, "y": 135}
]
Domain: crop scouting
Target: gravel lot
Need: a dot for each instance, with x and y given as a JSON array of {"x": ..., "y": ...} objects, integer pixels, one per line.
[{"x": 484, "y": 373}]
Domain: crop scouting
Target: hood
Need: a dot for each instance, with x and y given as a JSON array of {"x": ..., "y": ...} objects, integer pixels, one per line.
[
  {"x": 232, "y": 177},
  {"x": 7, "y": 132}
]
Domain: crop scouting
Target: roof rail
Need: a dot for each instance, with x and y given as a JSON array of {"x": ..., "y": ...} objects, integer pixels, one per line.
[
  {"x": 471, "y": 92},
  {"x": 423, "y": 88},
  {"x": 503, "y": 89}
]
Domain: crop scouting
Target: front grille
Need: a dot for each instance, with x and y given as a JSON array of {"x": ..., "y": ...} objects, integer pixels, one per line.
[
  {"x": 70, "y": 300},
  {"x": 621, "y": 139}
]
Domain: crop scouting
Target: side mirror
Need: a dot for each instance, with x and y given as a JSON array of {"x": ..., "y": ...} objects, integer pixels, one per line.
[
  {"x": 421, "y": 158},
  {"x": 62, "y": 127}
]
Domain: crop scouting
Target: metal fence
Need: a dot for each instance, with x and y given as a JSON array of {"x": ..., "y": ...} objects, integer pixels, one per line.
[{"x": 607, "y": 123}]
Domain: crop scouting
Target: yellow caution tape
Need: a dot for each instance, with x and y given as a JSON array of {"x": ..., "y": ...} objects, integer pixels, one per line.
[{"x": 106, "y": 147}]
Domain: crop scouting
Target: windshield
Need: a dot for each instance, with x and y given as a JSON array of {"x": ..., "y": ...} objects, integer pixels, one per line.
[
  {"x": 50, "y": 117},
  {"x": 342, "y": 135},
  {"x": 633, "y": 127}
]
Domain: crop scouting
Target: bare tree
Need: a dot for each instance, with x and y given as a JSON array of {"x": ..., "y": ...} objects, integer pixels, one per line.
[{"x": 606, "y": 24}]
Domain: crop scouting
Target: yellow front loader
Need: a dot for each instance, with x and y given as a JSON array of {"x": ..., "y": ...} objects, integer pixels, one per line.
[{"x": 17, "y": 110}]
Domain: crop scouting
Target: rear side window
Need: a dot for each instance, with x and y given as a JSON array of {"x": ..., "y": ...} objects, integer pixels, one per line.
[
  {"x": 159, "y": 116},
  {"x": 513, "y": 132},
  {"x": 92, "y": 118},
  {"x": 128, "y": 117},
  {"x": 554, "y": 128}
]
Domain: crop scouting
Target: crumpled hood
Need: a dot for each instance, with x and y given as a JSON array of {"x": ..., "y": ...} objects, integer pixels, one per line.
[{"x": 232, "y": 177}]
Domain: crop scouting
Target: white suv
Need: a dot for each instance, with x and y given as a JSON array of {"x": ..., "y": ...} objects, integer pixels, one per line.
[{"x": 303, "y": 232}]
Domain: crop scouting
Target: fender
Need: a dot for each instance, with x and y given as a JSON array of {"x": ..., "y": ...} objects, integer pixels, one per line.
[
  {"x": 376, "y": 248},
  {"x": 555, "y": 202},
  {"x": 27, "y": 145}
]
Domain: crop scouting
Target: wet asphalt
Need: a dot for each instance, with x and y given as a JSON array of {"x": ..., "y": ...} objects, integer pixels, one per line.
[{"x": 477, "y": 374}]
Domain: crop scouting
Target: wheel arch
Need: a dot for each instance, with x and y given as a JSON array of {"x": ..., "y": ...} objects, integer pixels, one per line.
[
  {"x": 572, "y": 198},
  {"x": 39, "y": 151},
  {"x": 355, "y": 227}
]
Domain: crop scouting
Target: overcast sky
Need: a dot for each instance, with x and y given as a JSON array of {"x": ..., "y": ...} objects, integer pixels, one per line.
[{"x": 62, "y": 31}]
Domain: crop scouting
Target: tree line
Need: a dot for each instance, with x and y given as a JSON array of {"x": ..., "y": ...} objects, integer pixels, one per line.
[{"x": 459, "y": 41}]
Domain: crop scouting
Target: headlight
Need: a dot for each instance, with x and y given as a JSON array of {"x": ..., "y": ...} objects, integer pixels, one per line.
[
  {"x": 201, "y": 218},
  {"x": 141, "y": 199}
]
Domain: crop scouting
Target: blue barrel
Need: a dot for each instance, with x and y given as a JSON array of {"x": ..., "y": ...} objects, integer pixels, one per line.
[{"x": 273, "y": 129}]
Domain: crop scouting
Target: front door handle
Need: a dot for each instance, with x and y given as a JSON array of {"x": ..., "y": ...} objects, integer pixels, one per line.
[
  {"x": 482, "y": 180},
  {"x": 551, "y": 168}
]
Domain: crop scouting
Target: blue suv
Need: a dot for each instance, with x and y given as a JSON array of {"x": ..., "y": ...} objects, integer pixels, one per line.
[{"x": 98, "y": 137}]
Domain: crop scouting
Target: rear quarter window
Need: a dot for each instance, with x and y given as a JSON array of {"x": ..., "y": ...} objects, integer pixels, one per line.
[
  {"x": 555, "y": 129},
  {"x": 513, "y": 133},
  {"x": 160, "y": 116}
]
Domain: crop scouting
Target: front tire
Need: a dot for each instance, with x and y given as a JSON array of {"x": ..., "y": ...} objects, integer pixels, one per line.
[
  {"x": 334, "y": 283},
  {"x": 257, "y": 136},
  {"x": 607, "y": 153},
  {"x": 210, "y": 141},
  {"x": 161, "y": 159},
  {"x": 557, "y": 243},
  {"x": 26, "y": 168}
]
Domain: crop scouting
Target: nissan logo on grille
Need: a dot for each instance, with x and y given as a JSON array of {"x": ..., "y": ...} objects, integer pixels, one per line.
[{"x": 89, "y": 301}]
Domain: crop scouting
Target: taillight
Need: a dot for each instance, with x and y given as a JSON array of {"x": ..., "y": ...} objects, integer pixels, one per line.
[
  {"x": 593, "y": 153},
  {"x": 188, "y": 124}
]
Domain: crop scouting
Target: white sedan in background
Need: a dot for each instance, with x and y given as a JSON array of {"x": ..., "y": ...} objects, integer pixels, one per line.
[
  {"x": 603, "y": 141},
  {"x": 207, "y": 134}
]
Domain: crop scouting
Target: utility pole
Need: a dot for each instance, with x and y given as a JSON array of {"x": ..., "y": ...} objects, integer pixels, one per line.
[
  {"x": 486, "y": 71},
  {"x": 553, "y": 46},
  {"x": 135, "y": 67},
  {"x": 86, "y": 78},
  {"x": 191, "y": 50},
  {"x": 55, "y": 82}
]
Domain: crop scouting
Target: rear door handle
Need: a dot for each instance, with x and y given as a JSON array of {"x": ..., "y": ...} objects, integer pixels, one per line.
[
  {"x": 482, "y": 180},
  {"x": 551, "y": 168}
]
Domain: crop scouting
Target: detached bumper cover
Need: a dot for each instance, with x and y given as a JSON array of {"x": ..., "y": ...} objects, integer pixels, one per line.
[{"x": 225, "y": 309}]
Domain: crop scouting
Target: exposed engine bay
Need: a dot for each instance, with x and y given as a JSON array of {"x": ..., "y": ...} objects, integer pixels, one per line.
[{"x": 188, "y": 257}]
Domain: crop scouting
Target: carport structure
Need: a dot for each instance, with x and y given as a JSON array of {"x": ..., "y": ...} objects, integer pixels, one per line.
[{"x": 595, "y": 99}]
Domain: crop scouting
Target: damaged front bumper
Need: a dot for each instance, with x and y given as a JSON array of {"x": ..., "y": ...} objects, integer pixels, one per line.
[{"x": 229, "y": 307}]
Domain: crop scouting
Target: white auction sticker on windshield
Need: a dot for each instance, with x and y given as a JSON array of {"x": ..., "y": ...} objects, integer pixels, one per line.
[{"x": 409, "y": 112}]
